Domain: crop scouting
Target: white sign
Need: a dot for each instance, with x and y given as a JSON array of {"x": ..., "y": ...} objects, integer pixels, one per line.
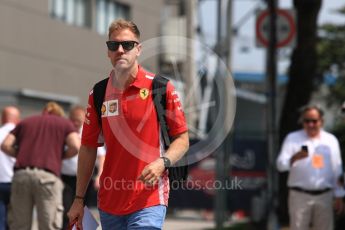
[
  {"x": 286, "y": 28},
  {"x": 89, "y": 222}
]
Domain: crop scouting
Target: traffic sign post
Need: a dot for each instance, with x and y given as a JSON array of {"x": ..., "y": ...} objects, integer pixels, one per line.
[{"x": 286, "y": 28}]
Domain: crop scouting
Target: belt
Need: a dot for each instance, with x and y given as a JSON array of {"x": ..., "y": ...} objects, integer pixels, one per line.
[
  {"x": 32, "y": 168},
  {"x": 310, "y": 192}
]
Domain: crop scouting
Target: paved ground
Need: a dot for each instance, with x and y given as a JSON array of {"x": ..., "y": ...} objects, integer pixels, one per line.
[
  {"x": 170, "y": 224},
  {"x": 186, "y": 220},
  {"x": 185, "y": 224}
]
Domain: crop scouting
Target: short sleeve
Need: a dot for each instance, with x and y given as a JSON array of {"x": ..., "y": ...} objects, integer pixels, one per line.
[
  {"x": 91, "y": 135},
  {"x": 69, "y": 127},
  {"x": 16, "y": 130},
  {"x": 174, "y": 112}
]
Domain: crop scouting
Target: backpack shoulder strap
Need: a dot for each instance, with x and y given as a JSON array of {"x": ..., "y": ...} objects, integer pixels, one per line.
[
  {"x": 98, "y": 97},
  {"x": 159, "y": 86}
]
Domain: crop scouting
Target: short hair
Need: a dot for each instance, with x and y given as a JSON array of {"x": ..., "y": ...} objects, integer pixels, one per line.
[
  {"x": 76, "y": 108},
  {"x": 306, "y": 108},
  {"x": 121, "y": 24},
  {"x": 54, "y": 108}
]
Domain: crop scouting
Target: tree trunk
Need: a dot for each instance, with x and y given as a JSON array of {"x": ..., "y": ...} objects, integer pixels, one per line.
[{"x": 302, "y": 79}]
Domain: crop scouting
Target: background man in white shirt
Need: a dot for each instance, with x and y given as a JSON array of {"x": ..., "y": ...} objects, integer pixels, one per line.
[
  {"x": 312, "y": 157},
  {"x": 9, "y": 119}
]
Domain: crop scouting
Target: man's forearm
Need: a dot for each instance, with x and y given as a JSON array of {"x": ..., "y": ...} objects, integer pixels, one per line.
[
  {"x": 9, "y": 150},
  {"x": 70, "y": 152},
  {"x": 178, "y": 148},
  {"x": 73, "y": 145},
  {"x": 86, "y": 163},
  {"x": 100, "y": 164},
  {"x": 7, "y": 145}
]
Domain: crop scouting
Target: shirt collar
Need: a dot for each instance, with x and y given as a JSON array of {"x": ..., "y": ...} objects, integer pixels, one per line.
[
  {"x": 318, "y": 137},
  {"x": 143, "y": 78}
]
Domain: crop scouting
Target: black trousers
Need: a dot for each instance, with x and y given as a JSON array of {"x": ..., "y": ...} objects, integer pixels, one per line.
[{"x": 70, "y": 183}]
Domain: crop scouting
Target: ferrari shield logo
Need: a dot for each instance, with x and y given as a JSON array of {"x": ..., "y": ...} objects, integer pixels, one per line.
[{"x": 144, "y": 93}]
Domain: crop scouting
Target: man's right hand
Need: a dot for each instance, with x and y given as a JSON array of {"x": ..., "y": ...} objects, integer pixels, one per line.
[
  {"x": 76, "y": 213},
  {"x": 298, "y": 156}
]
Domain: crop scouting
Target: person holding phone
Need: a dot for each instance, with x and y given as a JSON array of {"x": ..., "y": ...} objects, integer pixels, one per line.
[{"x": 312, "y": 157}]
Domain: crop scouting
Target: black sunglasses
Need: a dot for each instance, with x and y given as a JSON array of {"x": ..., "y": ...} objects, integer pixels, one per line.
[
  {"x": 314, "y": 121},
  {"x": 126, "y": 45}
]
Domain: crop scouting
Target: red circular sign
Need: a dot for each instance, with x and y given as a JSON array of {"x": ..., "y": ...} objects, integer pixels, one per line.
[{"x": 284, "y": 15}]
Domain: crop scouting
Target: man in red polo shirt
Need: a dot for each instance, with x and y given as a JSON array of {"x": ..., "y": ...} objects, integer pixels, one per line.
[{"x": 134, "y": 185}]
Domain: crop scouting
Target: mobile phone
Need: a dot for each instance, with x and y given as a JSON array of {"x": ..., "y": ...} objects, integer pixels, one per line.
[{"x": 304, "y": 148}]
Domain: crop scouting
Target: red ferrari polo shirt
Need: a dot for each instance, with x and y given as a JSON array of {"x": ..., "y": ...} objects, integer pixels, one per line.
[{"x": 130, "y": 131}]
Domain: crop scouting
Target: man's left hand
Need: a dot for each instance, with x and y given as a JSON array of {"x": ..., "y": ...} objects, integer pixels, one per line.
[{"x": 152, "y": 172}]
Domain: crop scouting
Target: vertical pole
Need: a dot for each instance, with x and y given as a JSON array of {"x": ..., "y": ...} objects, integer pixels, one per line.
[
  {"x": 227, "y": 146},
  {"x": 190, "y": 69},
  {"x": 220, "y": 198},
  {"x": 271, "y": 69}
]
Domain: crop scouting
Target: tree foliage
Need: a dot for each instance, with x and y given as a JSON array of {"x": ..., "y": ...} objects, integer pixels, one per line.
[{"x": 331, "y": 52}]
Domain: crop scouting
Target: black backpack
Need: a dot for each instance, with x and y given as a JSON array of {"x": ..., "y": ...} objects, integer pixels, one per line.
[{"x": 177, "y": 174}]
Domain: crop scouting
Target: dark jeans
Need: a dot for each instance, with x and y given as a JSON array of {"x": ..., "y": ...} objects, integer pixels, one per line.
[{"x": 5, "y": 191}]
